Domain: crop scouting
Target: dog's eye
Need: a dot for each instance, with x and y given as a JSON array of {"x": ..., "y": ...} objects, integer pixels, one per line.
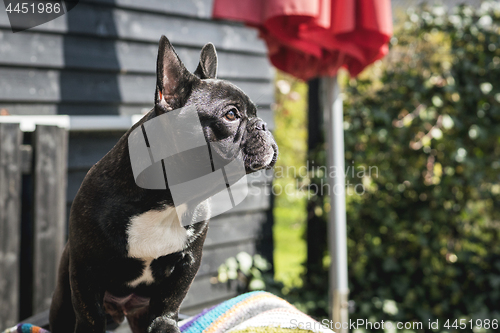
[{"x": 231, "y": 115}]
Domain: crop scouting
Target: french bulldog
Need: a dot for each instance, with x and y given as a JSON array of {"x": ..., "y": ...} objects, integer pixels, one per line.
[{"x": 127, "y": 253}]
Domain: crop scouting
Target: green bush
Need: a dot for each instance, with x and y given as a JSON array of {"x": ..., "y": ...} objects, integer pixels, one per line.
[{"x": 424, "y": 236}]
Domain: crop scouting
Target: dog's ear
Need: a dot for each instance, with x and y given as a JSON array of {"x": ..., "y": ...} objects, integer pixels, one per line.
[
  {"x": 173, "y": 80},
  {"x": 207, "y": 68}
]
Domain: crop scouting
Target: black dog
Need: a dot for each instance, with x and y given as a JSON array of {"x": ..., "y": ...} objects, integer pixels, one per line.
[{"x": 127, "y": 254}]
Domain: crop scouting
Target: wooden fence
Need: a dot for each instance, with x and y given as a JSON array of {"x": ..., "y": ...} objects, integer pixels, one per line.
[{"x": 32, "y": 217}]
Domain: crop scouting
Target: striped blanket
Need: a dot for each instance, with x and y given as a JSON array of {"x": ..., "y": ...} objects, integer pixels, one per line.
[{"x": 256, "y": 312}]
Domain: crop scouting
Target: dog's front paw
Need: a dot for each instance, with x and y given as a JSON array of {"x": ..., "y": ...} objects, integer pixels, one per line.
[{"x": 163, "y": 325}]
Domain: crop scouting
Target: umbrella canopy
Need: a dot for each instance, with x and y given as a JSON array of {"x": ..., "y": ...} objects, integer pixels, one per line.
[{"x": 311, "y": 38}]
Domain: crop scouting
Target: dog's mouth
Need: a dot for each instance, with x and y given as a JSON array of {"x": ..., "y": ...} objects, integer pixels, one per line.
[
  {"x": 265, "y": 158},
  {"x": 271, "y": 164}
]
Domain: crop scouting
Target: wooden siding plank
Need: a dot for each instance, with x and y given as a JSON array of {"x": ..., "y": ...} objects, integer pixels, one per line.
[
  {"x": 190, "y": 8},
  {"x": 118, "y": 23},
  {"x": 10, "y": 222},
  {"x": 203, "y": 291},
  {"x": 213, "y": 258},
  {"x": 74, "y": 109},
  {"x": 21, "y": 85},
  {"x": 86, "y": 149},
  {"x": 32, "y": 49},
  {"x": 230, "y": 229},
  {"x": 50, "y": 147}
]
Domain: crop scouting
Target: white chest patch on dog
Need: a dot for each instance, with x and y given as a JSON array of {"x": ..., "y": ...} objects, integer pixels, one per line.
[{"x": 154, "y": 234}]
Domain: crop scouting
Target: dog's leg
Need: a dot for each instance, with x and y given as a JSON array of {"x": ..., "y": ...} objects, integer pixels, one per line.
[
  {"x": 87, "y": 295},
  {"x": 164, "y": 306},
  {"x": 62, "y": 316}
]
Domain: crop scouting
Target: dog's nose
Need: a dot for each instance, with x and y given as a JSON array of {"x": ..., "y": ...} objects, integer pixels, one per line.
[{"x": 261, "y": 125}]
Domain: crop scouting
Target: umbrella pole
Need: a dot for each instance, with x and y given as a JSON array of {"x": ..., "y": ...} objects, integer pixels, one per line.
[{"x": 337, "y": 236}]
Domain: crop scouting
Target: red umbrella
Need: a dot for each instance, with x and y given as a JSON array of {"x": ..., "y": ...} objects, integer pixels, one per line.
[
  {"x": 313, "y": 38},
  {"x": 320, "y": 35}
]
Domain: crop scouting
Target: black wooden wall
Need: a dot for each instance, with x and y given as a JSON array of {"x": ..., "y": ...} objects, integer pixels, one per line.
[{"x": 99, "y": 59}]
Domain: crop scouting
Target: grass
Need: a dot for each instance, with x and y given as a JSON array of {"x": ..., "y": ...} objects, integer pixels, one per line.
[{"x": 289, "y": 244}]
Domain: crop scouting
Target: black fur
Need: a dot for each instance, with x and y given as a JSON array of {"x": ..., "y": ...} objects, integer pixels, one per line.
[{"x": 95, "y": 267}]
